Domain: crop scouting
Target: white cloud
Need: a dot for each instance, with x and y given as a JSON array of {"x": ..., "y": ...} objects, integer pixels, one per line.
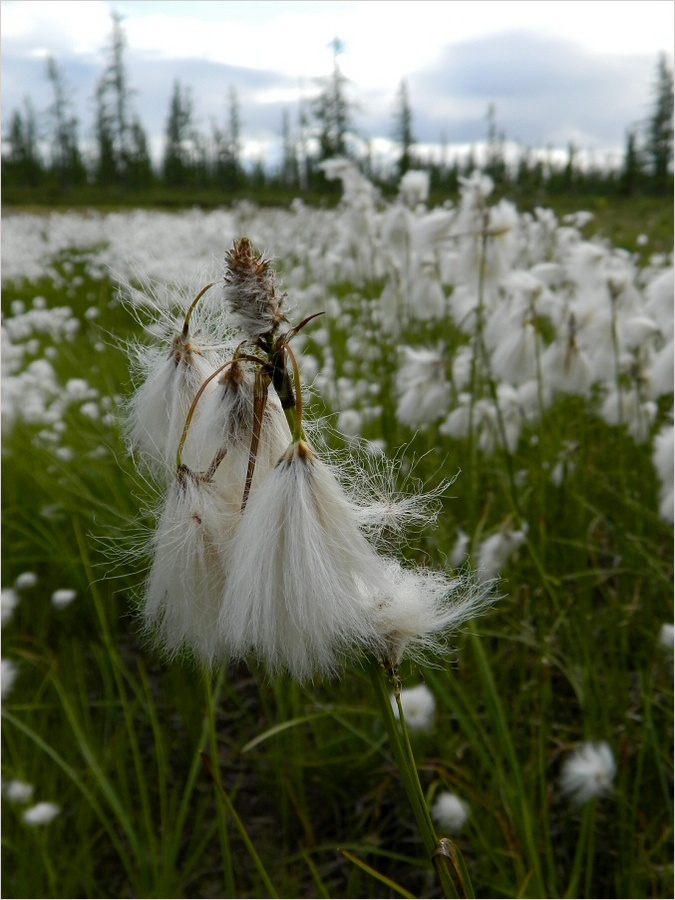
[
  {"x": 457, "y": 55},
  {"x": 383, "y": 43},
  {"x": 61, "y": 27}
]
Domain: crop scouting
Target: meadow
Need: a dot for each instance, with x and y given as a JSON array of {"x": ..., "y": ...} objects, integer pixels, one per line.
[{"x": 520, "y": 358}]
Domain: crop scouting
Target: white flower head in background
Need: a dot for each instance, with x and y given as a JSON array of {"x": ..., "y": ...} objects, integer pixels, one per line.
[
  {"x": 497, "y": 549},
  {"x": 588, "y": 772},
  {"x": 666, "y": 635},
  {"x": 8, "y": 673},
  {"x": 18, "y": 791},
  {"x": 9, "y": 599},
  {"x": 414, "y": 187},
  {"x": 419, "y": 707},
  {"x": 422, "y": 385},
  {"x": 63, "y": 597},
  {"x": 449, "y": 812},
  {"x": 41, "y": 814},
  {"x": 460, "y": 551},
  {"x": 25, "y": 580},
  {"x": 662, "y": 457}
]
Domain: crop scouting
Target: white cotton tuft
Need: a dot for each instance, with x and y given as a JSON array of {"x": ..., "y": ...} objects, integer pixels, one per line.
[
  {"x": 420, "y": 608},
  {"x": 8, "y": 673},
  {"x": 627, "y": 407},
  {"x": 187, "y": 579},
  {"x": 25, "y": 580},
  {"x": 414, "y": 187},
  {"x": 660, "y": 371},
  {"x": 427, "y": 298},
  {"x": 566, "y": 368},
  {"x": 9, "y": 600},
  {"x": 460, "y": 552},
  {"x": 63, "y": 597},
  {"x": 449, "y": 812},
  {"x": 41, "y": 814},
  {"x": 667, "y": 635},
  {"x": 496, "y": 550},
  {"x": 158, "y": 410},
  {"x": 350, "y": 422},
  {"x": 419, "y": 707},
  {"x": 423, "y": 388},
  {"x": 659, "y": 295},
  {"x": 589, "y": 772},
  {"x": 515, "y": 358},
  {"x": 303, "y": 577},
  {"x": 18, "y": 791},
  {"x": 662, "y": 457}
]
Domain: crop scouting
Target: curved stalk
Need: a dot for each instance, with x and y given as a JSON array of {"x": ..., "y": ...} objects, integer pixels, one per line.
[
  {"x": 297, "y": 429},
  {"x": 188, "y": 315},
  {"x": 193, "y": 407}
]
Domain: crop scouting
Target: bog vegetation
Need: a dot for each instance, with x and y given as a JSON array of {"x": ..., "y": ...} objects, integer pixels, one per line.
[{"x": 522, "y": 354}]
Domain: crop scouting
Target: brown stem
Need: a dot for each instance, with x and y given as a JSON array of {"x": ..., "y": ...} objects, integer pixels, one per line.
[{"x": 259, "y": 404}]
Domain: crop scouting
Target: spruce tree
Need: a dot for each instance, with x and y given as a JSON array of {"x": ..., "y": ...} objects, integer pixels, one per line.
[
  {"x": 290, "y": 169},
  {"x": 332, "y": 111},
  {"x": 632, "y": 173},
  {"x": 140, "y": 172},
  {"x": 495, "y": 164},
  {"x": 403, "y": 131},
  {"x": 659, "y": 138},
  {"x": 22, "y": 164},
  {"x": 232, "y": 171},
  {"x": 67, "y": 167},
  {"x": 122, "y": 155},
  {"x": 176, "y": 164},
  {"x": 106, "y": 172}
]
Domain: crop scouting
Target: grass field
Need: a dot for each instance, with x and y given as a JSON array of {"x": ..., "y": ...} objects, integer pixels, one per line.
[{"x": 167, "y": 782}]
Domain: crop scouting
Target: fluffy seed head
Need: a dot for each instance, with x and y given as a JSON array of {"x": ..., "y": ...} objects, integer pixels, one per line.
[
  {"x": 187, "y": 577},
  {"x": 157, "y": 410},
  {"x": 588, "y": 772},
  {"x": 41, "y": 813},
  {"x": 449, "y": 812},
  {"x": 18, "y": 791},
  {"x": 419, "y": 707},
  {"x": 302, "y": 576}
]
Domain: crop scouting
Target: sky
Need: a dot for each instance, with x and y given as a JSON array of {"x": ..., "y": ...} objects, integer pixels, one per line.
[{"x": 555, "y": 71}]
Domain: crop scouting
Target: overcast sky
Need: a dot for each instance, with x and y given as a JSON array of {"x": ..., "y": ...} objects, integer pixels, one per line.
[{"x": 557, "y": 71}]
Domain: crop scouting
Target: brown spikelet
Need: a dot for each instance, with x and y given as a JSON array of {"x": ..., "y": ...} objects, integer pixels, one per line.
[
  {"x": 251, "y": 290},
  {"x": 241, "y": 259}
]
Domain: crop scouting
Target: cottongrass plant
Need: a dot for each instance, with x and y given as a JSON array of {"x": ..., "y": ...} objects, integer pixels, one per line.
[
  {"x": 450, "y": 812},
  {"x": 265, "y": 549},
  {"x": 588, "y": 772}
]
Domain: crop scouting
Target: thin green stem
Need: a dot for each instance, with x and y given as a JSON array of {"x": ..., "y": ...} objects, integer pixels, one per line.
[
  {"x": 298, "y": 431},
  {"x": 442, "y": 853},
  {"x": 582, "y": 867},
  {"x": 186, "y": 323}
]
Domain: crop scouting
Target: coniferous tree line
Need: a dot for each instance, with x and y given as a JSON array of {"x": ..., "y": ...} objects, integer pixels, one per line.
[{"x": 44, "y": 150}]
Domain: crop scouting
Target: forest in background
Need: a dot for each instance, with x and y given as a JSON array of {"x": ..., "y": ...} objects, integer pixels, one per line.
[{"x": 46, "y": 161}]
